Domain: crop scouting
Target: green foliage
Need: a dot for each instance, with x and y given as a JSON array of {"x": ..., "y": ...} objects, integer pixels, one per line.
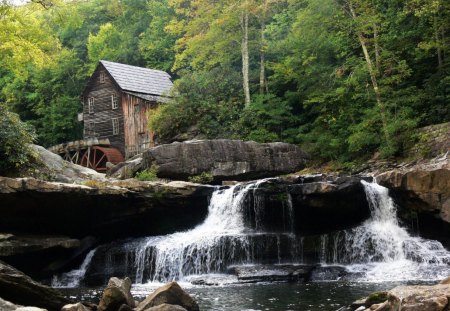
[
  {"x": 15, "y": 139},
  {"x": 317, "y": 89},
  {"x": 149, "y": 174},
  {"x": 203, "y": 178}
]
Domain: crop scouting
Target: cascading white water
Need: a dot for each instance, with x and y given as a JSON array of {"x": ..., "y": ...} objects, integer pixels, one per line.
[
  {"x": 237, "y": 232},
  {"x": 222, "y": 239},
  {"x": 74, "y": 277},
  {"x": 382, "y": 250}
]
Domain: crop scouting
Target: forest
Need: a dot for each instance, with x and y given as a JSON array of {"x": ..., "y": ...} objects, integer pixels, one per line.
[{"x": 341, "y": 78}]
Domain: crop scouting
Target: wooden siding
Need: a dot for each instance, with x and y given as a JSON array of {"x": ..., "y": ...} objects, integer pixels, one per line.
[
  {"x": 103, "y": 112},
  {"x": 137, "y": 135}
]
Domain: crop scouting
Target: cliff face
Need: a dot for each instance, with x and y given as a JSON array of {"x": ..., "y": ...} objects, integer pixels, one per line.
[
  {"x": 422, "y": 187},
  {"x": 422, "y": 192}
]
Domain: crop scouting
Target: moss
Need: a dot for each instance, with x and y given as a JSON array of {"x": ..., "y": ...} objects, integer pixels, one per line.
[
  {"x": 95, "y": 184},
  {"x": 203, "y": 178},
  {"x": 376, "y": 297},
  {"x": 149, "y": 174}
]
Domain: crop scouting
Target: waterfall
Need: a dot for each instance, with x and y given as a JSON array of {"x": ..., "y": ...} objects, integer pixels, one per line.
[
  {"x": 223, "y": 239},
  {"x": 74, "y": 277},
  {"x": 250, "y": 225},
  {"x": 381, "y": 249}
]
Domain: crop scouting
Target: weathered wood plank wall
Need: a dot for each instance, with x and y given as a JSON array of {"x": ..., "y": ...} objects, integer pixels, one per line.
[{"x": 99, "y": 123}]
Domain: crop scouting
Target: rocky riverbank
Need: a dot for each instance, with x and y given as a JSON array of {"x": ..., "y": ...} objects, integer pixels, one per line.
[
  {"x": 406, "y": 298},
  {"x": 20, "y": 293}
]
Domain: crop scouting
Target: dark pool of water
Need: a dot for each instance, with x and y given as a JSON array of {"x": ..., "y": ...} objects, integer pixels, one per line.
[{"x": 325, "y": 296}]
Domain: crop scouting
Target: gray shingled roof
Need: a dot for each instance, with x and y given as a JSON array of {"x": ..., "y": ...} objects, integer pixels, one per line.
[{"x": 138, "y": 79}]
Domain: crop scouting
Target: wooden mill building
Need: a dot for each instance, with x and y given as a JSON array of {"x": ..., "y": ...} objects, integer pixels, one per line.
[{"x": 117, "y": 102}]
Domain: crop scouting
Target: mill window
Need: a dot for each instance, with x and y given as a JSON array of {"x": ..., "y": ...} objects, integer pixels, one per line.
[
  {"x": 91, "y": 104},
  {"x": 114, "y": 101},
  {"x": 115, "y": 125},
  {"x": 102, "y": 77}
]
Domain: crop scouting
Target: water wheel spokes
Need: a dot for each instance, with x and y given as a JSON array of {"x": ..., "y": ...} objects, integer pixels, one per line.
[{"x": 96, "y": 158}]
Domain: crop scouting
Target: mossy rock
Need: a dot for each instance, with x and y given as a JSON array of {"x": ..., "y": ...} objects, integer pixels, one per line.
[{"x": 376, "y": 297}]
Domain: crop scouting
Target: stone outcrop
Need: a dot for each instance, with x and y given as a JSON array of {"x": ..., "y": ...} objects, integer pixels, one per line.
[
  {"x": 13, "y": 245},
  {"x": 224, "y": 159},
  {"x": 422, "y": 191},
  {"x": 406, "y": 298},
  {"x": 18, "y": 288},
  {"x": 54, "y": 168},
  {"x": 423, "y": 187},
  {"x": 116, "y": 294},
  {"x": 95, "y": 208},
  {"x": 170, "y": 293}
]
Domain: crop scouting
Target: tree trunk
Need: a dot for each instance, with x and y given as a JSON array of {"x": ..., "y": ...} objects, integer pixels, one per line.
[
  {"x": 373, "y": 77},
  {"x": 377, "y": 47},
  {"x": 262, "y": 71},
  {"x": 438, "y": 42},
  {"x": 245, "y": 60}
]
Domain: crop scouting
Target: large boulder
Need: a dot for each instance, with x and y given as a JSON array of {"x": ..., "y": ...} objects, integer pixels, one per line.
[
  {"x": 170, "y": 293},
  {"x": 55, "y": 168},
  {"x": 21, "y": 289},
  {"x": 224, "y": 159},
  {"x": 8, "y": 306},
  {"x": 419, "y": 298},
  {"x": 116, "y": 294},
  {"x": 166, "y": 307}
]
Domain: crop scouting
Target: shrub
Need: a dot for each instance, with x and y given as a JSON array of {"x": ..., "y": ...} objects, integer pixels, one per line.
[
  {"x": 15, "y": 139},
  {"x": 149, "y": 174},
  {"x": 203, "y": 178}
]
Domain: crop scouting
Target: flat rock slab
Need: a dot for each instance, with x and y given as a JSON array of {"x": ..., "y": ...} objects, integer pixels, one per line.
[
  {"x": 271, "y": 273},
  {"x": 225, "y": 159},
  {"x": 17, "y": 245}
]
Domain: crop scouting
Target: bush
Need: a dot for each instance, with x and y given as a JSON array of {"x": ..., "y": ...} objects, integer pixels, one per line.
[
  {"x": 15, "y": 139},
  {"x": 149, "y": 174},
  {"x": 203, "y": 178}
]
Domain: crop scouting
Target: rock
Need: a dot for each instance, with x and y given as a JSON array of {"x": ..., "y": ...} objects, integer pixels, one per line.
[
  {"x": 445, "y": 281},
  {"x": 125, "y": 307},
  {"x": 116, "y": 294},
  {"x": 30, "y": 309},
  {"x": 7, "y": 306},
  {"x": 20, "y": 250},
  {"x": 419, "y": 298},
  {"x": 75, "y": 307},
  {"x": 56, "y": 169},
  {"x": 171, "y": 293},
  {"x": 224, "y": 159},
  {"x": 166, "y": 307},
  {"x": 21, "y": 289},
  {"x": 422, "y": 187},
  {"x": 18, "y": 245},
  {"x": 272, "y": 273},
  {"x": 144, "y": 208},
  {"x": 127, "y": 169},
  {"x": 328, "y": 204}
]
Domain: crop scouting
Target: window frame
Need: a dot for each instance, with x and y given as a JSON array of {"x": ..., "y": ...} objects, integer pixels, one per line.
[
  {"x": 115, "y": 126},
  {"x": 114, "y": 101},
  {"x": 102, "y": 77},
  {"x": 91, "y": 103}
]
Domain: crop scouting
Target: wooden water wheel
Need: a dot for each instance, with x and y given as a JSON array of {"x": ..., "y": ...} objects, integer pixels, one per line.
[{"x": 96, "y": 157}]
